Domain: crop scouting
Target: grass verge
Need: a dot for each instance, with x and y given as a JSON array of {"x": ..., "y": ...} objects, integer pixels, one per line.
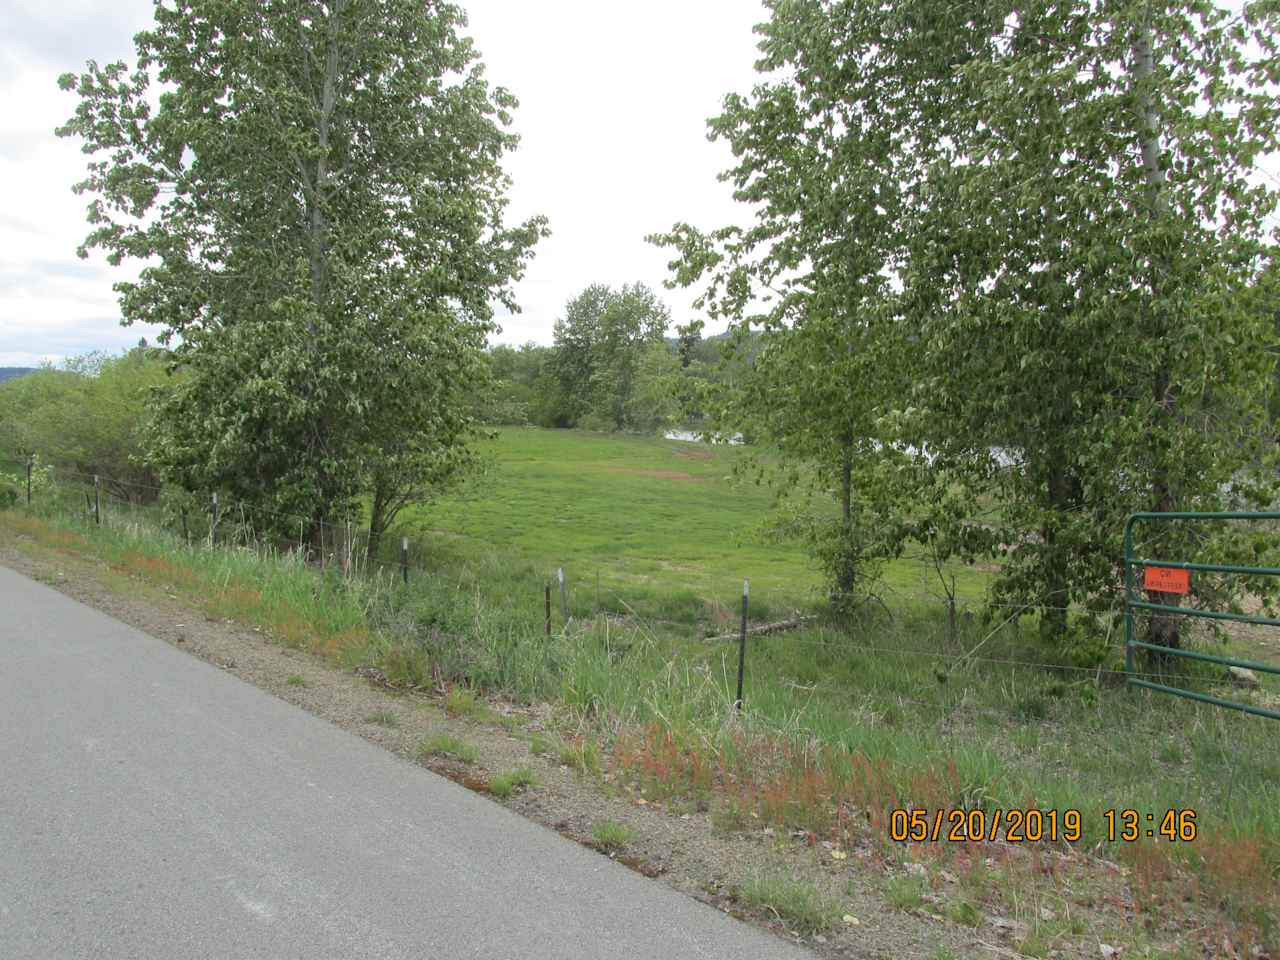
[
  {"x": 797, "y": 903},
  {"x": 841, "y": 725},
  {"x": 444, "y": 745}
]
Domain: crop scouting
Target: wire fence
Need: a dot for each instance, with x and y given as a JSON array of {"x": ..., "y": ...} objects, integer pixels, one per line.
[{"x": 342, "y": 548}]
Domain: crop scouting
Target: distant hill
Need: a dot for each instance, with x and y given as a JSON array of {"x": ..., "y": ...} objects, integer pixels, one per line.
[{"x": 8, "y": 373}]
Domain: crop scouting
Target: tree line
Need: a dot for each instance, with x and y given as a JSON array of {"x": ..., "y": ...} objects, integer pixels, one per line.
[
  {"x": 1005, "y": 273},
  {"x": 611, "y": 367}
]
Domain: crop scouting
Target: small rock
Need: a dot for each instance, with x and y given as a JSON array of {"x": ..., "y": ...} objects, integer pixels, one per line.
[
  {"x": 1243, "y": 678},
  {"x": 1108, "y": 951},
  {"x": 1047, "y": 915},
  {"x": 916, "y": 870},
  {"x": 819, "y": 939},
  {"x": 850, "y": 919}
]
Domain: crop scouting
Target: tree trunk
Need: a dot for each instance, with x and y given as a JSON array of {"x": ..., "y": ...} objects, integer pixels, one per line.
[
  {"x": 378, "y": 521},
  {"x": 1165, "y": 629},
  {"x": 846, "y": 571},
  {"x": 1053, "y": 614}
]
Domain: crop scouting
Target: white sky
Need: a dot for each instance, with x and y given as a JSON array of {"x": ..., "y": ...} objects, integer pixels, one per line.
[
  {"x": 614, "y": 98},
  {"x": 614, "y": 101}
]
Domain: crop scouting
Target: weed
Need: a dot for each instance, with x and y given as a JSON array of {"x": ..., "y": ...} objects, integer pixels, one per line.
[
  {"x": 729, "y": 817},
  {"x": 797, "y": 903},
  {"x": 1034, "y": 944},
  {"x": 296, "y": 680},
  {"x": 444, "y": 745},
  {"x": 1170, "y": 752},
  {"x": 905, "y": 892},
  {"x": 461, "y": 702},
  {"x": 581, "y": 754},
  {"x": 539, "y": 745},
  {"x": 508, "y": 782},
  {"x": 611, "y": 834},
  {"x": 383, "y": 718},
  {"x": 964, "y": 913}
]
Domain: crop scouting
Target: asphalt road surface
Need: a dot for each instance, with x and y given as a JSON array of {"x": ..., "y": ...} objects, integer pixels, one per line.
[{"x": 151, "y": 806}]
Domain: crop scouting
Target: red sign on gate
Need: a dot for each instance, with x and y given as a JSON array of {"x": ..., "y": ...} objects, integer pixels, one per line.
[{"x": 1167, "y": 580}]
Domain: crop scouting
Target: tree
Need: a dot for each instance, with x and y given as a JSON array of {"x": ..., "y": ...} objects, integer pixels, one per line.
[
  {"x": 89, "y": 418},
  {"x": 599, "y": 343},
  {"x": 815, "y": 366},
  {"x": 654, "y": 404},
  {"x": 1058, "y": 203},
  {"x": 318, "y": 201},
  {"x": 515, "y": 373}
]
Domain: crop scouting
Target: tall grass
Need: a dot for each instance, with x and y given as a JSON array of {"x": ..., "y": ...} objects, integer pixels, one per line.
[{"x": 840, "y": 725}]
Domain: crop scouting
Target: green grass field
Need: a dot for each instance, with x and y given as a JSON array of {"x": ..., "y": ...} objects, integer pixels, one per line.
[
  {"x": 644, "y": 514},
  {"x": 865, "y": 716}
]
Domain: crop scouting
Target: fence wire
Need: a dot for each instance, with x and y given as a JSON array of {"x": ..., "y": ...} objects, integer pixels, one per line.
[{"x": 353, "y": 567}]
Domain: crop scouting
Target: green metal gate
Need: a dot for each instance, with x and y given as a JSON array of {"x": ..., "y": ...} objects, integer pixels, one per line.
[{"x": 1132, "y": 601}]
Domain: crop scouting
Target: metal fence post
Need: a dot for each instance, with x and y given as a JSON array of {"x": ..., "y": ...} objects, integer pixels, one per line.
[
  {"x": 564, "y": 601},
  {"x": 404, "y": 559},
  {"x": 742, "y": 643},
  {"x": 30, "y": 458},
  {"x": 548, "y": 608},
  {"x": 97, "y": 503}
]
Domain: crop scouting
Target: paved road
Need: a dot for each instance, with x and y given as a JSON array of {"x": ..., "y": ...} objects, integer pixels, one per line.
[{"x": 151, "y": 806}]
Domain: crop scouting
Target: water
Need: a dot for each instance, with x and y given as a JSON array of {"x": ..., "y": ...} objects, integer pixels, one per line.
[{"x": 689, "y": 436}]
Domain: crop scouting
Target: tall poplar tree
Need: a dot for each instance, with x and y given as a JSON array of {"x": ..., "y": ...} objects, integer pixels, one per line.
[
  {"x": 316, "y": 195},
  {"x": 1051, "y": 212}
]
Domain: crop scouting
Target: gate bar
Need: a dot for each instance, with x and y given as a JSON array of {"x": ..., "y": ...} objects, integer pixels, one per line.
[
  {"x": 1206, "y": 698},
  {"x": 1209, "y": 657}
]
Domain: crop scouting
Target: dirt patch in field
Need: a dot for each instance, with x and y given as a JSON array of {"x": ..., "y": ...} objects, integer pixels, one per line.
[
  {"x": 694, "y": 453},
  {"x": 658, "y": 474},
  {"x": 676, "y": 843}
]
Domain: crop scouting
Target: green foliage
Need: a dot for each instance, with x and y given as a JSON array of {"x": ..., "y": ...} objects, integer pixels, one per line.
[
  {"x": 1027, "y": 240},
  {"x": 904, "y": 891},
  {"x": 610, "y": 834},
  {"x": 798, "y": 903},
  {"x": 508, "y": 782},
  {"x": 88, "y": 417},
  {"x": 602, "y": 373},
  {"x": 513, "y": 398},
  {"x": 445, "y": 745},
  {"x": 318, "y": 200}
]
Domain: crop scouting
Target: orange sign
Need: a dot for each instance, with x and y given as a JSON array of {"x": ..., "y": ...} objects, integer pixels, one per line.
[{"x": 1167, "y": 580}]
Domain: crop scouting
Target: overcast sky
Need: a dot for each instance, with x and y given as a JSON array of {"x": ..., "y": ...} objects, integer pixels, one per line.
[
  {"x": 614, "y": 102},
  {"x": 614, "y": 99}
]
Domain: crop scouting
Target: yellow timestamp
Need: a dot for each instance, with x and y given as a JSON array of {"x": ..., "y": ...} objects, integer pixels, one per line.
[
  {"x": 1030, "y": 825},
  {"x": 975, "y": 826},
  {"x": 1129, "y": 825}
]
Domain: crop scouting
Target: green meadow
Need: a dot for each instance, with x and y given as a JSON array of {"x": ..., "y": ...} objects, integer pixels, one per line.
[
  {"x": 895, "y": 706},
  {"x": 642, "y": 514}
]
